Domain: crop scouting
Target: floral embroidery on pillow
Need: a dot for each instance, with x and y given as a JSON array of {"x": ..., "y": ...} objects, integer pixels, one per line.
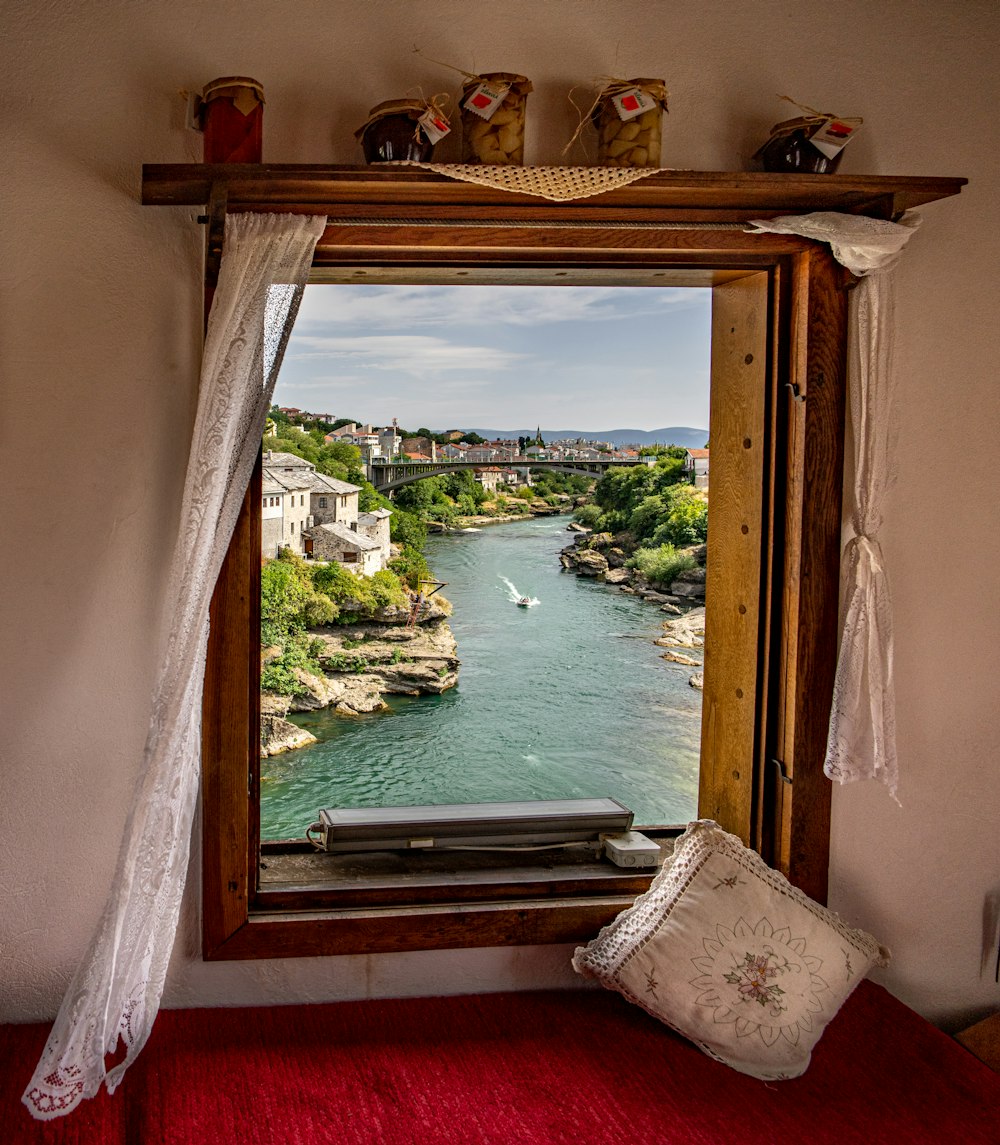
[{"x": 761, "y": 979}]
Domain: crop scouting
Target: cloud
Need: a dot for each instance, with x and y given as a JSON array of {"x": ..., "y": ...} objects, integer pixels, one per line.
[
  {"x": 406, "y": 307},
  {"x": 418, "y": 355}
]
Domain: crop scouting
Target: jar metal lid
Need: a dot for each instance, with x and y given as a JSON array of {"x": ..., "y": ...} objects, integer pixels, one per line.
[
  {"x": 518, "y": 84},
  {"x": 410, "y": 108},
  {"x": 657, "y": 88}
]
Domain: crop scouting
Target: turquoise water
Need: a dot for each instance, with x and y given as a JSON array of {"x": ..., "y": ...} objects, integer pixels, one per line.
[{"x": 567, "y": 698}]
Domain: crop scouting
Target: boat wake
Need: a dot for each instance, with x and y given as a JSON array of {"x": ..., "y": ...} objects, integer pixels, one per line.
[{"x": 516, "y": 597}]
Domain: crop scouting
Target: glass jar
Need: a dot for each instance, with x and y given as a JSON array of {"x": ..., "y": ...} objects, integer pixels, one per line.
[
  {"x": 392, "y": 132},
  {"x": 495, "y": 136},
  {"x": 788, "y": 148},
  {"x": 635, "y": 140},
  {"x": 232, "y": 119}
]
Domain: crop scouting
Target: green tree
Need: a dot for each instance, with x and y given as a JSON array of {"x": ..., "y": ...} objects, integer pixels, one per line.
[
  {"x": 407, "y": 529},
  {"x": 418, "y": 496},
  {"x": 411, "y": 567},
  {"x": 283, "y": 597},
  {"x": 686, "y": 519},
  {"x": 647, "y": 516}
]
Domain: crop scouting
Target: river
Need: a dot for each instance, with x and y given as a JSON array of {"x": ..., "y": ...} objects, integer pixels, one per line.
[{"x": 566, "y": 698}]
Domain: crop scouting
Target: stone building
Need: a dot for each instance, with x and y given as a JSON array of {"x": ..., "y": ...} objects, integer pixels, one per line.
[
  {"x": 285, "y": 502},
  {"x": 375, "y": 525},
  {"x": 294, "y": 497},
  {"x": 336, "y": 542},
  {"x": 489, "y": 477},
  {"x": 333, "y": 500},
  {"x": 696, "y": 467}
]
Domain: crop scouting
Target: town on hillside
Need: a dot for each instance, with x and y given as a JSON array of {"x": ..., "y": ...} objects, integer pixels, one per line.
[{"x": 317, "y": 516}]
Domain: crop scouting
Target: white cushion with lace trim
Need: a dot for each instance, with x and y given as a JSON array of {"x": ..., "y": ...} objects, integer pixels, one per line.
[{"x": 727, "y": 952}]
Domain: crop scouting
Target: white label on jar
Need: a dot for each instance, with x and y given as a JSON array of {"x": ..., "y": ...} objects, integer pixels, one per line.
[
  {"x": 633, "y": 102},
  {"x": 434, "y": 126},
  {"x": 834, "y": 136},
  {"x": 485, "y": 99}
]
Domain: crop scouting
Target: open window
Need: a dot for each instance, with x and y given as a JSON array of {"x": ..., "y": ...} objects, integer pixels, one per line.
[{"x": 778, "y": 334}]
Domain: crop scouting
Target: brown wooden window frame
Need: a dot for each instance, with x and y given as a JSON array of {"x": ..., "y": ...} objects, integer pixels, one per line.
[{"x": 777, "y": 429}]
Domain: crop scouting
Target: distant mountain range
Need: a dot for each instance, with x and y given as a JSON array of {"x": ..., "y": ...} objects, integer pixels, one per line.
[{"x": 683, "y": 435}]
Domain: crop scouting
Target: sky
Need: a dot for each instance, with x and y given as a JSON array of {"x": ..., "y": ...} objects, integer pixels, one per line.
[{"x": 501, "y": 357}]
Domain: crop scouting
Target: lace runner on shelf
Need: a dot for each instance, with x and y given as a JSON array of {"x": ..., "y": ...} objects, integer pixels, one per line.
[{"x": 556, "y": 183}]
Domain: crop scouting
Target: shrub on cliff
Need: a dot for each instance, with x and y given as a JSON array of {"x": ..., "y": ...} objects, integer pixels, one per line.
[
  {"x": 660, "y": 565},
  {"x": 588, "y": 515},
  {"x": 359, "y": 597},
  {"x": 410, "y": 566},
  {"x": 278, "y": 675},
  {"x": 289, "y": 600}
]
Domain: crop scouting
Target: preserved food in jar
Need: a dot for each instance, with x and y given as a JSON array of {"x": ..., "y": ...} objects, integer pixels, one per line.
[
  {"x": 788, "y": 148},
  {"x": 232, "y": 119},
  {"x": 496, "y": 133},
  {"x": 392, "y": 131},
  {"x": 625, "y": 139}
]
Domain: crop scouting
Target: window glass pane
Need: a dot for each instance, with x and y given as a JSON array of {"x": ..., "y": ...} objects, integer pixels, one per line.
[{"x": 568, "y": 684}]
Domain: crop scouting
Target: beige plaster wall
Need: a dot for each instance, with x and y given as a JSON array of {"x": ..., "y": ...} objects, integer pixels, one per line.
[{"x": 99, "y": 354}]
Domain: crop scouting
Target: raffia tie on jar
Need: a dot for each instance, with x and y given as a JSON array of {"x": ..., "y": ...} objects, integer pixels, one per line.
[
  {"x": 403, "y": 129},
  {"x": 813, "y": 143},
  {"x": 493, "y": 110},
  {"x": 628, "y": 115}
]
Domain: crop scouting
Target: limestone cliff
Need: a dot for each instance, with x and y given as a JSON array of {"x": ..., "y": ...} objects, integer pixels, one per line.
[{"x": 364, "y": 662}]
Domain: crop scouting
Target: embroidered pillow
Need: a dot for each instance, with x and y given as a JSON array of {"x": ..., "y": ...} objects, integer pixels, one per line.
[{"x": 727, "y": 952}]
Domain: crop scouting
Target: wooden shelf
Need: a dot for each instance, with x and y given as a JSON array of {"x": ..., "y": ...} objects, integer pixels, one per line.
[{"x": 413, "y": 193}]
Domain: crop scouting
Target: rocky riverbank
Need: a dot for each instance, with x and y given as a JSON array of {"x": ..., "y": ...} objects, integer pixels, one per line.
[
  {"x": 362, "y": 663},
  {"x": 598, "y": 555}
]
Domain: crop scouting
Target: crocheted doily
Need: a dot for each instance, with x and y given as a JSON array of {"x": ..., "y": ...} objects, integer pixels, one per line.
[{"x": 556, "y": 183}]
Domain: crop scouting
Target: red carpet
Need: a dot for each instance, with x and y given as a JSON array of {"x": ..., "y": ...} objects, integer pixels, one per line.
[{"x": 548, "y": 1068}]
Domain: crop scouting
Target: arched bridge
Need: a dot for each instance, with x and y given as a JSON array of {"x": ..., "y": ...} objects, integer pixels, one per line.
[{"x": 386, "y": 475}]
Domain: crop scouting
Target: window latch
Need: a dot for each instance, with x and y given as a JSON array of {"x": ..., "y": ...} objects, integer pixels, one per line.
[{"x": 785, "y": 777}]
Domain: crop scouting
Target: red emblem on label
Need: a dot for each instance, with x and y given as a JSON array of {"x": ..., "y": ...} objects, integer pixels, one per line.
[
  {"x": 630, "y": 103},
  {"x": 481, "y": 100}
]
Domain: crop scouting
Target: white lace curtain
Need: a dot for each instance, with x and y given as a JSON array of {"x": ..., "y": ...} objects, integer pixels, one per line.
[
  {"x": 862, "y": 737},
  {"x": 117, "y": 987}
]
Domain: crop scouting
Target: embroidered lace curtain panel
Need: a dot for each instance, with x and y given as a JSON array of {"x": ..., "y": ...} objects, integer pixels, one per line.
[
  {"x": 117, "y": 987},
  {"x": 862, "y": 737}
]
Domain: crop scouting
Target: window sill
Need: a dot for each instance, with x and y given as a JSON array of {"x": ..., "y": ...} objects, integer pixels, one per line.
[{"x": 389, "y": 901}]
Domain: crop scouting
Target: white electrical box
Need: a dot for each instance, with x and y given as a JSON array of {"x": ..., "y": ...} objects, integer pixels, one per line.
[{"x": 631, "y": 849}]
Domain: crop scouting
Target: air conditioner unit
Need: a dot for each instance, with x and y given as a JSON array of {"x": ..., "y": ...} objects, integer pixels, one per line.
[{"x": 521, "y": 824}]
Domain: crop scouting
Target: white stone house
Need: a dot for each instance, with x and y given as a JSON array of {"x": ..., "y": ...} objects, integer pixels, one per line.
[
  {"x": 294, "y": 497},
  {"x": 389, "y": 442},
  {"x": 336, "y": 542},
  {"x": 480, "y": 453},
  {"x": 375, "y": 525},
  {"x": 285, "y": 502},
  {"x": 272, "y": 516},
  {"x": 515, "y": 477},
  {"x": 489, "y": 477},
  {"x": 696, "y": 467},
  {"x": 333, "y": 500}
]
